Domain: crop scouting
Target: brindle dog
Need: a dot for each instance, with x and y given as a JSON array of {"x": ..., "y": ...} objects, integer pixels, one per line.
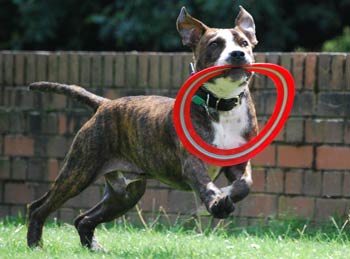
[{"x": 132, "y": 139}]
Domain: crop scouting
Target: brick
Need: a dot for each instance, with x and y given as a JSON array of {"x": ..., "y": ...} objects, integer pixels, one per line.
[
  {"x": 107, "y": 67},
  {"x": 24, "y": 99},
  {"x": 274, "y": 181},
  {"x": 86, "y": 199},
  {"x": 259, "y": 181},
  {"x": 31, "y": 68},
  {"x": 259, "y": 205},
  {"x": 96, "y": 70},
  {"x": 37, "y": 170},
  {"x": 143, "y": 67},
  {"x": 18, "y": 193},
  {"x": 67, "y": 215},
  {"x": 1, "y": 68},
  {"x": 37, "y": 189},
  {"x": 259, "y": 80},
  {"x": 35, "y": 122},
  {"x": 53, "y": 67},
  {"x": 295, "y": 156},
  {"x": 270, "y": 102},
  {"x": 4, "y": 211},
  {"x": 186, "y": 60},
  {"x": 304, "y": 104},
  {"x": 176, "y": 72},
  {"x": 281, "y": 136},
  {"x": 4, "y": 122},
  {"x": 286, "y": 60},
  {"x": 8, "y": 69},
  {"x": 346, "y": 133},
  {"x": 303, "y": 207},
  {"x": 62, "y": 124},
  {"x": 17, "y": 123},
  {"x": 347, "y": 72},
  {"x": 19, "y": 146},
  {"x": 19, "y": 69},
  {"x": 63, "y": 67},
  {"x": 310, "y": 71},
  {"x": 346, "y": 185},
  {"x": 333, "y": 104},
  {"x": 312, "y": 183},
  {"x": 131, "y": 70},
  {"x": 324, "y": 131},
  {"x": 324, "y": 71},
  {"x": 298, "y": 69},
  {"x": 73, "y": 71},
  {"x": 52, "y": 169},
  {"x": 181, "y": 202},
  {"x": 273, "y": 58},
  {"x": 42, "y": 60},
  {"x": 165, "y": 71},
  {"x": 331, "y": 157},
  {"x": 326, "y": 208},
  {"x": 110, "y": 93},
  {"x": 19, "y": 169},
  {"x": 154, "y": 76},
  {"x": 50, "y": 123},
  {"x": 4, "y": 168},
  {"x": 119, "y": 70},
  {"x": 57, "y": 147},
  {"x": 295, "y": 130},
  {"x": 332, "y": 184},
  {"x": 294, "y": 182},
  {"x": 267, "y": 157},
  {"x": 1, "y": 145},
  {"x": 153, "y": 199},
  {"x": 259, "y": 102},
  {"x": 337, "y": 74},
  {"x": 17, "y": 211},
  {"x": 85, "y": 70},
  {"x": 52, "y": 102}
]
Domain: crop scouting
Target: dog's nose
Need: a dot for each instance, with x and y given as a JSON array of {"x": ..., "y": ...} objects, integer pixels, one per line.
[{"x": 237, "y": 55}]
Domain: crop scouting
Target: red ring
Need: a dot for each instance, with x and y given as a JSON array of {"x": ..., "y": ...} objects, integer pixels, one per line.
[{"x": 214, "y": 71}]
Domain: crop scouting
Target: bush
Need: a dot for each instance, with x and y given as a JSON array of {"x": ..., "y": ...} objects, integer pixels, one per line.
[{"x": 338, "y": 44}]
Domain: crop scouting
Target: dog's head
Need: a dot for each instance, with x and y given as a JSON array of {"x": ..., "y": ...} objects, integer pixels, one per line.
[
  {"x": 215, "y": 47},
  {"x": 212, "y": 46}
]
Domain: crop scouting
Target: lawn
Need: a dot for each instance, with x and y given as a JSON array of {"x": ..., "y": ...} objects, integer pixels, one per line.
[{"x": 276, "y": 239}]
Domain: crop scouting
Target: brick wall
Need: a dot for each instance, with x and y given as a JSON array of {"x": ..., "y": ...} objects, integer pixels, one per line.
[{"x": 305, "y": 172}]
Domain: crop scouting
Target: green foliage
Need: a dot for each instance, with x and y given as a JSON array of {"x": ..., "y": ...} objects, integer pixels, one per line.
[
  {"x": 150, "y": 25},
  {"x": 340, "y": 43}
]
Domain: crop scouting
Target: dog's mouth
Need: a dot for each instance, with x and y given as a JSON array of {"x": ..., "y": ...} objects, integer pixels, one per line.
[{"x": 238, "y": 75}]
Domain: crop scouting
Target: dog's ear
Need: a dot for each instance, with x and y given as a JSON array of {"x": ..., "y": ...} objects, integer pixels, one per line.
[
  {"x": 190, "y": 29},
  {"x": 245, "y": 23}
]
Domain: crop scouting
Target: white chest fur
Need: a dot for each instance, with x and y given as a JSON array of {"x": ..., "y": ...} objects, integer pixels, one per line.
[{"x": 228, "y": 132}]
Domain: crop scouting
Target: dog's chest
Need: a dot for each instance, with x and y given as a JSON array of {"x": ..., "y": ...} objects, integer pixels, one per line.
[{"x": 229, "y": 131}]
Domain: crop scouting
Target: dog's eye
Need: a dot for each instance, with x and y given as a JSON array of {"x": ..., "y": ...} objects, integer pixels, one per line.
[
  {"x": 213, "y": 44},
  {"x": 244, "y": 43}
]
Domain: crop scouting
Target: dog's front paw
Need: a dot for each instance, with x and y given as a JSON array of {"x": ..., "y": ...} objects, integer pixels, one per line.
[{"x": 221, "y": 207}]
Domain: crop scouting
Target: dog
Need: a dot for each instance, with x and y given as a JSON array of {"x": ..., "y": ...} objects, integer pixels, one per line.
[{"x": 132, "y": 139}]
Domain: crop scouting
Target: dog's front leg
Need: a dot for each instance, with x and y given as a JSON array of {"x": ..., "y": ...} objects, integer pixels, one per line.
[
  {"x": 217, "y": 202},
  {"x": 240, "y": 177}
]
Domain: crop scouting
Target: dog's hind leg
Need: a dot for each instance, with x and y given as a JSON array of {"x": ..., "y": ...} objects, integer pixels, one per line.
[
  {"x": 83, "y": 161},
  {"x": 122, "y": 192}
]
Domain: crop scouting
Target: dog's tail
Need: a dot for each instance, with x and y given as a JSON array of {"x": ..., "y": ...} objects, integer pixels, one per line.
[{"x": 76, "y": 92}]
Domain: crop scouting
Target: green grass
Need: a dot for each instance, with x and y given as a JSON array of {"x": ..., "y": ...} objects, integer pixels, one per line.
[{"x": 276, "y": 239}]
